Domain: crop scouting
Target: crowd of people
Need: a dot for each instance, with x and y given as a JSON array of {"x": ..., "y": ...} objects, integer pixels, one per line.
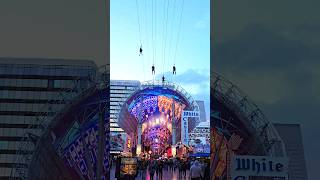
[{"x": 196, "y": 169}]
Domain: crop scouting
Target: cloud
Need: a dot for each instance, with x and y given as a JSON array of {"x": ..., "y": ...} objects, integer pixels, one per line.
[
  {"x": 203, "y": 23},
  {"x": 196, "y": 82},
  {"x": 268, "y": 65},
  {"x": 192, "y": 76},
  {"x": 258, "y": 47},
  {"x": 279, "y": 70}
]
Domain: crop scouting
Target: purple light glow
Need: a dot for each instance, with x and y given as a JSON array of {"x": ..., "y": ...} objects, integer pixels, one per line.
[{"x": 156, "y": 114}]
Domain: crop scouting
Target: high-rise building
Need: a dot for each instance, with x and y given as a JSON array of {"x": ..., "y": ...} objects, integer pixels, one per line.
[
  {"x": 31, "y": 91},
  {"x": 120, "y": 90},
  {"x": 292, "y": 138},
  {"x": 202, "y": 111}
]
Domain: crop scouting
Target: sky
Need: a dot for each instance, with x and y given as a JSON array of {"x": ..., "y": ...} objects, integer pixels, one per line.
[
  {"x": 270, "y": 50},
  {"x": 72, "y": 29},
  {"x": 284, "y": 83},
  {"x": 164, "y": 42}
]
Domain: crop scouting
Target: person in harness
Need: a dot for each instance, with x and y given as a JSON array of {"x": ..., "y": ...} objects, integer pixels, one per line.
[
  {"x": 174, "y": 69},
  {"x": 153, "y": 69},
  {"x": 140, "y": 51},
  {"x": 163, "y": 79}
]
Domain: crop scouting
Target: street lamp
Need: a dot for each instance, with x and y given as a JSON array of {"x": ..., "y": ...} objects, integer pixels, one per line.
[
  {"x": 138, "y": 151},
  {"x": 173, "y": 151}
]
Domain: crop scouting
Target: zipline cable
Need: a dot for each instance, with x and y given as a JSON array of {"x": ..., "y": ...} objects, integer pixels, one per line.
[
  {"x": 155, "y": 30},
  {"x": 172, "y": 25},
  {"x": 152, "y": 39},
  {"x": 165, "y": 36},
  {"x": 146, "y": 38},
  {"x": 138, "y": 17},
  {"x": 146, "y": 26},
  {"x": 170, "y": 51},
  {"x": 178, "y": 35},
  {"x": 138, "y": 21},
  {"x": 163, "y": 27}
]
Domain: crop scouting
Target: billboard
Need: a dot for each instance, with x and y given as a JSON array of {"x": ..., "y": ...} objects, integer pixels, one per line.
[
  {"x": 244, "y": 167},
  {"x": 200, "y": 145},
  {"x": 117, "y": 141}
]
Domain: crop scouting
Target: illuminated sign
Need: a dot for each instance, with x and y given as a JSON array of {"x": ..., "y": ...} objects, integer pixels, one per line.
[
  {"x": 184, "y": 130},
  {"x": 128, "y": 167},
  {"x": 117, "y": 141},
  {"x": 82, "y": 153},
  {"x": 184, "y": 124},
  {"x": 191, "y": 113},
  {"x": 243, "y": 167},
  {"x": 201, "y": 148},
  {"x": 128, "y": 143}
]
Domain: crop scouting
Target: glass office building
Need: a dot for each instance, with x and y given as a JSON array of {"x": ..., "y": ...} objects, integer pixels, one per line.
[
  {"x": 120, "y": 90},
  {"x": 31, "y": 91}
]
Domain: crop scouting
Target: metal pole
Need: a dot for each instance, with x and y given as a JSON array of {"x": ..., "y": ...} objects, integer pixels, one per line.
[{"x": 173, "y": 124}]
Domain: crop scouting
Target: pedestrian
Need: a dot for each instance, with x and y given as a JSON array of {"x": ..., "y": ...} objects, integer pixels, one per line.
[
  {"x": 144, "y": 168},
  {"x": 139, "y": 167},
  {"x": 184, "y": 169},
  {"x": 151, "y": 170},
  {"x": 156, "y": 167},
  {"x": 160, "y": 169},
  {"x": 195, "y": 171},
  {"x": 207, "y": 171},
  {"x": 180, "y": 167}
]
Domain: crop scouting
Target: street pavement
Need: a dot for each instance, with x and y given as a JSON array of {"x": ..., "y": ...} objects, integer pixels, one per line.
[{"x": 167, "y": 175}]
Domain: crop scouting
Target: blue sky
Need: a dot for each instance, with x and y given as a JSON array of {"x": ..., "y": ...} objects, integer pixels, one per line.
[{"x": 190, "y": 47}]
